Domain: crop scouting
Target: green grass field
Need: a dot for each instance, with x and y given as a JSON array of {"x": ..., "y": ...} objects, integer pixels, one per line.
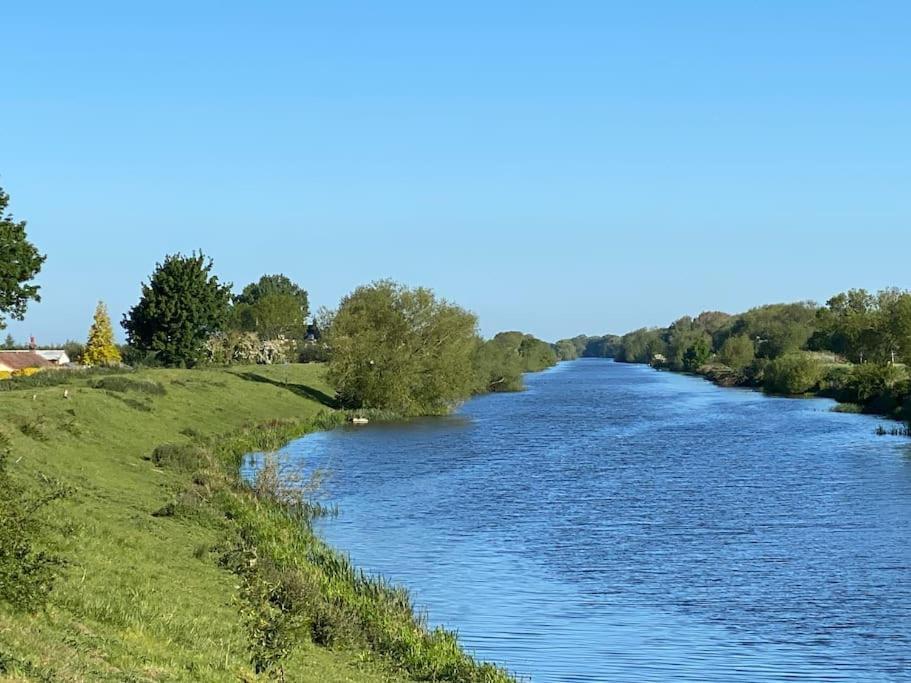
[{"x": 143, "y": 596}]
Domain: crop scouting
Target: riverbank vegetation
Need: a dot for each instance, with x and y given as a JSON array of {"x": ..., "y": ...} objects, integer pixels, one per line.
[
  {"x": 132, "y": 550},
  {"x": 854, "y": 349}
]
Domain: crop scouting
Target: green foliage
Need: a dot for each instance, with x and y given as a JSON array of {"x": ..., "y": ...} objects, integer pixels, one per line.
[
  {"x": 737, "y": 352},
  {"x": 123, "y": 384},
  {"x": 20, "y": 262},
  {"x": 594, "y": 347},
  {"x": 273, "y": 308},
  {"x": 866, "y": 327},
  {"x": 696, "y": 354},
  {"x": 180, "y": 308},
  {"x": 146, "y": 590},
  {"x": 9, "y": 343},
  {"x": 187, "y": 457},
  {"x": 566, "y": 350},
  {"x": 401, "y": 349},
  {"x": 792, "y": 348},
  {"x": 794, "y": 373},
  {"x": 777, "y": 329},
  {"x": 500, "y": 362},
  {"x": 877, "y": 388},
  {"x": 100, "y": 348},
  {"x": 642, "y": 345},
  {"x": 688, "y": 345},
  {"x": 27, "y": 572},
  {"x": 294, "y": 587},
  {"x": 274, "y": 285},
  {"x": 74, "y": 351},
  {"x": 497, "y": 366},
  {"x": 536, "y": 355}
]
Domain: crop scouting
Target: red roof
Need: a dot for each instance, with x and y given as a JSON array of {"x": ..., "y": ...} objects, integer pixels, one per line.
[{"x": 17, "y": 360}]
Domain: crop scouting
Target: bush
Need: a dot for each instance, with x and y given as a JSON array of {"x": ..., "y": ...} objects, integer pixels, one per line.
[
  {"x": 122, "y": 384},
  {"x": 871, "y": 380},
  {"x": 246, "y": 347},
  {"x": 312, "y": 352},
  {"x": 184, "y": 457},
  {"x": 26, "y": 573},
  {"x": 794, "y": 373}
]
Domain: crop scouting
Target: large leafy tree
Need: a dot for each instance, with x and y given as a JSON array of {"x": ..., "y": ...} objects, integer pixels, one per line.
[
  {"x": 401, "y": 349},
  {"x": 20, "y": 262},
  {"x": 271, "y": 285},
  {"x": 181, "y": 306},
  {"x": 778, "y": 329},
  {"x": 272, "y": 307}
]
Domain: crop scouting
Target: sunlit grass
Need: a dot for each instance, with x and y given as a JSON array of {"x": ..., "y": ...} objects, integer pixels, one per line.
[{"x": 156, "y": 536}]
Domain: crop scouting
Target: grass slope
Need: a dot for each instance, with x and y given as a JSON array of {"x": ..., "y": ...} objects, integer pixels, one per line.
[{"x": 142, "y": 597}]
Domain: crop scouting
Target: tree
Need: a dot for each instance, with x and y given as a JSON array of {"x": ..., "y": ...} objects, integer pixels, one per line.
[
  {"x": 180, "y": 307},
  {"x": 778, "y": 329},
  {"x": 100, "y": 348},
  {"x": 497, "y": 366},
  {"x": 697, "y": 354},
  {"x": 20, "y": 262},
  {"x": 273, "y": 307},
  {"x": 737, "y": 352},
  {"x": 269, "y": 285},
  {"x": 9, "y": 343},
  {"x": 642, "y": 345},
  {"x": 566, "y": 350},
  {"x": 401, "y": 349},
  {"x": 75, "y": 349},
  {"x": 271, "y": 317}
]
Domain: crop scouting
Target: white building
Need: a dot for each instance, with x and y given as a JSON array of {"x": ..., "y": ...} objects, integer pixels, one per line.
[{"x": 55, "y": 356}]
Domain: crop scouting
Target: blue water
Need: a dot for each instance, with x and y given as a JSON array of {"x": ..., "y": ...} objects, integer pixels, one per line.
[{"x": 614, "y": 523}]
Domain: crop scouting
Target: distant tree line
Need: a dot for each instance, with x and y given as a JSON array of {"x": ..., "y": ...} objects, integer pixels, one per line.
[
  {"x": 583, "y": 346},
  {"x": 854, "y": 348}
]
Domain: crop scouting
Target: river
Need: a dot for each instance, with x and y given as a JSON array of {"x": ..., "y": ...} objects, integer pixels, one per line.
[{"x": 614, "y": 523}]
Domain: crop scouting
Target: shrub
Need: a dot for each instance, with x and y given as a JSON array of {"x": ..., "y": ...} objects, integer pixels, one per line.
[
  {"x": 245, "y": 347},
  {"x": 871, "y": 380},
  {"x": 794, "y": 373},
  {"x": 123, "y": 384},
  {"x": 26, "y": 573},
  {"x": 185, "y": 457}
]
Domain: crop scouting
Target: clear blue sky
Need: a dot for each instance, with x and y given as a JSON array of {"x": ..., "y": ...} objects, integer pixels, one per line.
[{"x": 559, "y": 167}]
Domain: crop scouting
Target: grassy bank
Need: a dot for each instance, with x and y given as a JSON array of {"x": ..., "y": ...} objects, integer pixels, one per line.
[{"x": 169, "y": 567}]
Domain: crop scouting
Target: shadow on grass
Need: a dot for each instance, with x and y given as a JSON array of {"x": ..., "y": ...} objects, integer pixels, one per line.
[{"x": 299, "y": 389}]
